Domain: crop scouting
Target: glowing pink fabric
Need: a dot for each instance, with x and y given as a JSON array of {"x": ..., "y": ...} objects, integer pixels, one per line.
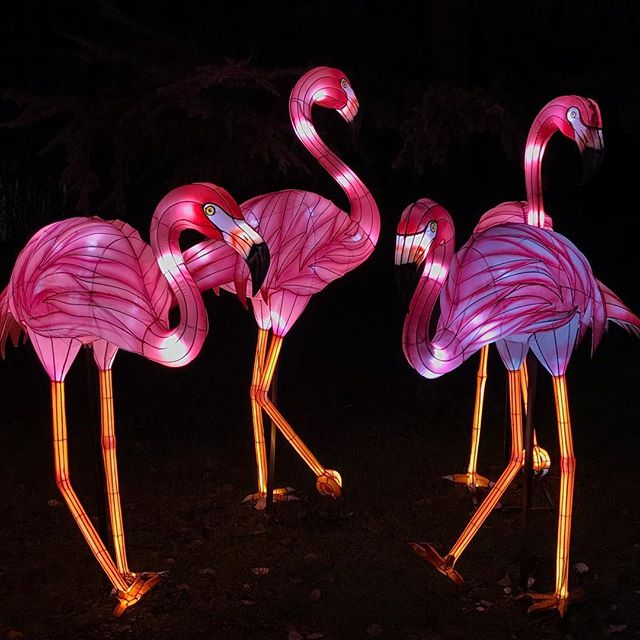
[
  {"x": 88, "y": 280},
  {"x": 312, "y": 241},
  {"x": 516, "y": 285}
]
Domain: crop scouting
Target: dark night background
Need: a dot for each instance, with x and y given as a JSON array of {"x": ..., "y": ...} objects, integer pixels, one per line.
[{"x": 107, "y": 106}]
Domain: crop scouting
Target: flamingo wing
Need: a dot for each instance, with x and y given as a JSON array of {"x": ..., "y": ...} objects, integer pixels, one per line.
[
  {"x": 513, "y": 212},
  {"x": 89, "y": 278},
  {"x": 515, "y": 280},
  {"x": 312, "y": 241}
]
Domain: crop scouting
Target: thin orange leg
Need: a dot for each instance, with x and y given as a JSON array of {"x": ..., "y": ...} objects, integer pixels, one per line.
[
  {"x": 108, "y": 441},
  {"x": 129, "y": 587},
  {"x": 471, "y": 478},
  {"x": 541, "y": 459},
  {"x": 256, "y": 413},
  {"x": 446, "y": 565},
  {"x": 328, "y": 481},
  {"x": 61, "y": 458},
  {"x": 560, "y": 598}
]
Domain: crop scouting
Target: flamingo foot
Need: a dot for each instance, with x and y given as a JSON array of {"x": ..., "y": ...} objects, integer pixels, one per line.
[
  {"x": 281, "y": 494},
  {"x": 443, "y": 565},
  {"x": 142, "y": 583},
  {"x": 329, "y": 483},
  {"x": 541, "y": 461},
  {"x": 472, "y": 480},
  {"x": 548, "y": 602}
]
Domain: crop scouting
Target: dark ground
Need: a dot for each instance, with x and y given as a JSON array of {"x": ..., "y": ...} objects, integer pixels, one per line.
[{"x": 335, "y": 568}]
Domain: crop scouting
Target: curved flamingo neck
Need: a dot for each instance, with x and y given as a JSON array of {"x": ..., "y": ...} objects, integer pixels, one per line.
[
  {"x": 363, "y": 207},
  {"x": 178, "y": 346},
  {"x": 541, "y": 130},
  {"x": 431, "y": 358}
]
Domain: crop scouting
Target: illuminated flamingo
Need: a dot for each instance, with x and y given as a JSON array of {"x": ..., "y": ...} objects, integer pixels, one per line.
[
  {"x": 518, "y": 286},
  {"x": 579, "y": 120},
  {"x": 96, "y": 282},
  {"x": 312, "y": 242}
]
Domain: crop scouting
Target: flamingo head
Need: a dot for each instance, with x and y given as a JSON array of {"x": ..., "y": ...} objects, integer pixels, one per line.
[
  {"x": 329, "y": 88},
  {"x": 212, "y": 211},
  {"x": 579, "y": 119},
  {"x": 424, "y": 243}
]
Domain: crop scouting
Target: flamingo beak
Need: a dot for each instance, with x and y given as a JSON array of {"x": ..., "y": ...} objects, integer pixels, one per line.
[
  {"x": 592, "y": 146},
  {"x": 407, "y": 278},
  {"x": 258, "y": 262},
  {"x": 355, "y": 128}
]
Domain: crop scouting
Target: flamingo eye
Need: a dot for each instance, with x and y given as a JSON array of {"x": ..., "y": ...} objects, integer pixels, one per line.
[
  {"x": 209, "y": 209},
  {"x": 433, "y": 226},
  {"x": 343, "y": 83},
  {"x": 572, "y": 114}
]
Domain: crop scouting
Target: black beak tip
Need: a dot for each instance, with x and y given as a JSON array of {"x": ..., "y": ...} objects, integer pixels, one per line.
[
  {"x": 355, "y": 125},
  {"x": 407, "y": 276},
  {"x": 258, "y": 262},
  {"x": 591, "y": 160}
]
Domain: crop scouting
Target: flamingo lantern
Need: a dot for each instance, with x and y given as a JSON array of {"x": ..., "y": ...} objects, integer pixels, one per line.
[
  {"x": 521, "y": 287},
  {"x": 579, "y": 120},
  {"x": 312, "y": 242},
  {"x": 96, "y": 282}
]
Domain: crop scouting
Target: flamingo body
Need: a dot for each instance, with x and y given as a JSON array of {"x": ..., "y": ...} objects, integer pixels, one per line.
[
  {"x": 89, "y": 279},
  {"x": 312, "y": 242},
  {"x": 93, "y": 281}
]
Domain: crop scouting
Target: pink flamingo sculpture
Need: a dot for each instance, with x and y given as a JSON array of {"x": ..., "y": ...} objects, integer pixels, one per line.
[
  {"x": 578, "y": 119},
  {"x": 96, "y": 282},
  {"x": 312, "y": 243},
  {"x": 518, "y": 286}
]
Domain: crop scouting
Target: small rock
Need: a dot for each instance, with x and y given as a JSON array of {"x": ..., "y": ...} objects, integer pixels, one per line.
[
  {"x": 294, "y": 635},
  {"x": 374, "y": 630},
  {"x": 614, "y": 628},
  {"x": 169, "y": 561},
  {"x": 507, "y": 591},
  {"x": 260, "y": 571},
  {"x": 207, "y": 571},
  {"x": 315, "y": 636},
  {"x": 483, "y": 605},
  {"x": 581, "y": 567},
  {"x": 247, "y": 603},
  {"x": 530, "y": 582},
  {"x": 183, "y": 586},
  {"x": 311, "y": 558},
  {"x": 315, "y": 595},
  {"x": 505, "y": 582},
  {"x": 55, "y": 504}
]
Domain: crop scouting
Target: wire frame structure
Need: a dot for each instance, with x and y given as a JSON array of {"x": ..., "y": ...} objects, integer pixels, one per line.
[
  {"x": 312, "y": 243},
  {"x": 579, "y": 120},
  {"x": 96, "y": 282},
  {"x": 520, "y": 287}
]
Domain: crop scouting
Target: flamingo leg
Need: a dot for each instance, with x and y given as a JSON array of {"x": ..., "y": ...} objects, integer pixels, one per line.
[
  {"x": 129, "y": 587},
  {"x": 328, "y": 481},
  {"x": 446, "y": 565},
  {"x": 108, "y": 442},
  {"x": 471, "y": 478},
  {"x": 560, "y": 598},
  {"x": 61, "y": 458},
  {"x": 256, "y": 413},
  {"x": 282, "y": 493}
]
